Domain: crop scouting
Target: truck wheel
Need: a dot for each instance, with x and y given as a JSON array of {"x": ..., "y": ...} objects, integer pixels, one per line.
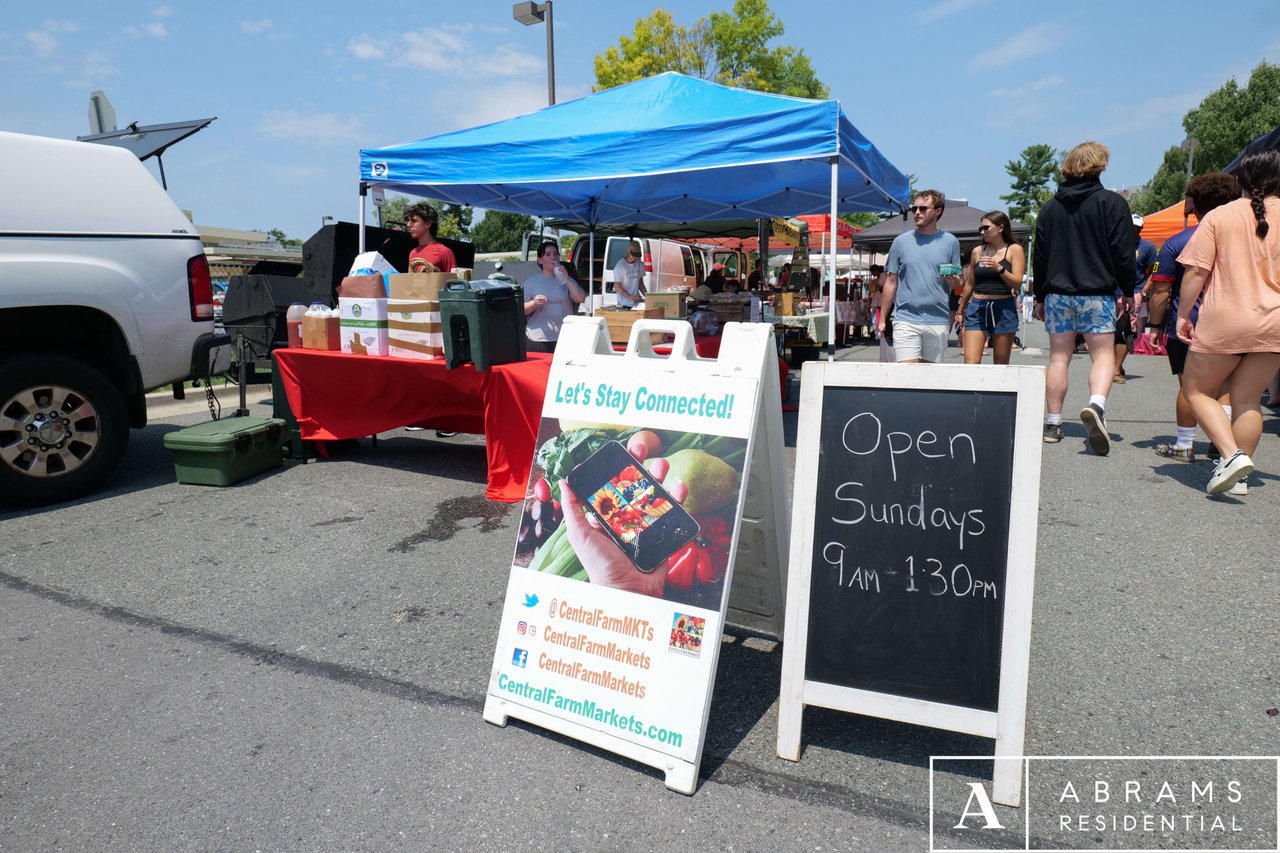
[{"x": 63, "y": 429}]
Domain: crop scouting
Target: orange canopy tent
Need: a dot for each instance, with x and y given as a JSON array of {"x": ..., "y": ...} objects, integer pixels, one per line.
[{"x": 1163, "y": 224}]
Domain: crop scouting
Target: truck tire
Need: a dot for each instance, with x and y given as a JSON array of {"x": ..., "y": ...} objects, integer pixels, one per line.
[{"x": 63, "y": 429}]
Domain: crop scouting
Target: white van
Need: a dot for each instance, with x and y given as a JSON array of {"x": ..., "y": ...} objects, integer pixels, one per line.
[
  {"x": 105, "y": 294},
  {"x": 667, "y": 264}
]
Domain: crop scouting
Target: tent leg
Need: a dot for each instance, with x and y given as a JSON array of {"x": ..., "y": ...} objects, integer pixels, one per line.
[
  {"x": 591, "y": 270},
  {"x": 364, "y": 189},
  {"x": 831, "y": 287}
]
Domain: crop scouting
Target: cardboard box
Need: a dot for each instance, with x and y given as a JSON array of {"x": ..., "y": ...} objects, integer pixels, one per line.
[
  {"x": 784, "y": 304},
  {"x": 413, "y": 329},
  {"x": 363, "y": 324},
  {"x": 675, "y": 306},
  {"x": 322, "y": 333},
  {"x": 418, "y": 286},
  {"x": 620, "y": 323}
]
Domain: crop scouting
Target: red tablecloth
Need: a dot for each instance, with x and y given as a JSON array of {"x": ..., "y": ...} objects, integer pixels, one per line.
[{"x": 334, "y": 395}]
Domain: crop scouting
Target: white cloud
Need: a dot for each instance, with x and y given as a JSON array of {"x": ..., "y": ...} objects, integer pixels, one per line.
[
  {"x": 254, "y": 28},
  {"x": 945, "y": 9},
  {"x": 98, "y": 65},
  {"x": 508, "y": 100},
  {"x": 366, "y": 47},
  {"x": 1031, "y": 42},
  {"x": 445, "y": 51},
  {"x": 314, "y": 130},
  {"x": 44, "y": 43},
  {"x": 1030, "y": 88},
  {"x": 162, "y": 11},
  {"x": 1141, "y": 117},
  {"x": 62, "y": 26},
  {"x": 155, "y": 30}
]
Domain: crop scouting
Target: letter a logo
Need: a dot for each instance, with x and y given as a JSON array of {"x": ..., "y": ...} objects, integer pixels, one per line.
[{"x": 985, "y": 809}]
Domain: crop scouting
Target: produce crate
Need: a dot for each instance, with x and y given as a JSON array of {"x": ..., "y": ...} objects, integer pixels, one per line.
[
  {"x": 731, "y": 310},
  {"x": 620, "y": 323},
  {"x": 674, "y": 304},
  {"x": 226, "y": 451}
]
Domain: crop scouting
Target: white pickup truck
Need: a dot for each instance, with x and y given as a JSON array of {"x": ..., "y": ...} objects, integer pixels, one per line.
[{"x": 104, "y": 295}]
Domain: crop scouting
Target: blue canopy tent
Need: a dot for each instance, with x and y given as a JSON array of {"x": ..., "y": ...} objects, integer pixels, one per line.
[{"x": 669, "y": 148}]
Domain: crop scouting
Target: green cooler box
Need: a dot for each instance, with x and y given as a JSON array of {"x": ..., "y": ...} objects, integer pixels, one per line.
[
  {"x": 226, "y": 451},
  {"x": 483, "y": 323}
]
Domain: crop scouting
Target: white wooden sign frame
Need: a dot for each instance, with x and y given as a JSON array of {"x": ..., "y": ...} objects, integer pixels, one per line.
[
  {"x": 747, "y": 351},
  {"x": 1007, "y": 725}
]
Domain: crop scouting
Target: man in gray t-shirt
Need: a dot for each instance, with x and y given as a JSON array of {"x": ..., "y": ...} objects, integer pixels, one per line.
[{"x": 915, "y": 290}]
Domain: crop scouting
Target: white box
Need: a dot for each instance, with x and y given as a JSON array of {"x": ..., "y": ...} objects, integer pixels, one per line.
[
  {"x": 363, "y": 325},
  {"x": 414, "y": 329}
]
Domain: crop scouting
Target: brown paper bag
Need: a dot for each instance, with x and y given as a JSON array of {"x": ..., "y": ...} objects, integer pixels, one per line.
[
  {"x": 363, "y": 287},
  {"x": 424, "y": 286}
]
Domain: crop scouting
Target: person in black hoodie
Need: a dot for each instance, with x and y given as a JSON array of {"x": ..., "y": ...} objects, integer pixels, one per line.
[{"x": 1082, "y": 256}]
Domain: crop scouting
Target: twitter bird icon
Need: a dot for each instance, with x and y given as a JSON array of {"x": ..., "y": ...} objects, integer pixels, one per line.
[{"x": 530, "y": 599}]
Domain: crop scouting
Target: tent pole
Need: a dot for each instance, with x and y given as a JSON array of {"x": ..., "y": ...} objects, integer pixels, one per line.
[
  {"x": 364, "y": 189},
  {"x": 591, "y": 274},
  {"x": 831, "y": 288}
]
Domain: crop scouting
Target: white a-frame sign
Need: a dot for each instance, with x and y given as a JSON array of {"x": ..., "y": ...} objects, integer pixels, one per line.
[
  {"x": 656, "y": 480},
  {"x": 913, "y": 545}
]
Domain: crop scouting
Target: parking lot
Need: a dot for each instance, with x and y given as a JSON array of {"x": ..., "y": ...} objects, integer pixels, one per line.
[{"x": 299, "y": 661}]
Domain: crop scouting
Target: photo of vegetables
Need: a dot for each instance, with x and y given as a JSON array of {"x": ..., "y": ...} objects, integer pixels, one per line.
[{"x": 705, "y": 469}]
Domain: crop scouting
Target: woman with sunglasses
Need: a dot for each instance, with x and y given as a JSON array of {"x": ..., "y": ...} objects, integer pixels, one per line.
[{"x": 989, "y": 303}]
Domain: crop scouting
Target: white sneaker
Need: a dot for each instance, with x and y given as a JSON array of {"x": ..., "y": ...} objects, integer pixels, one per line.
[
  {"x": 1229, "y": 471},
  {"x": 1240, "y": 489}
]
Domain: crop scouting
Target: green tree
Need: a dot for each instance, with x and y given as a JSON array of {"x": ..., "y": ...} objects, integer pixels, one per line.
[
  {"x": 283, "y": 240},
  {"x": 1224, "y": 122},
  {"x": 727, "y": 47},
  {"x": 1032, "y": 173},
  {"x": 500, "y": 231}
]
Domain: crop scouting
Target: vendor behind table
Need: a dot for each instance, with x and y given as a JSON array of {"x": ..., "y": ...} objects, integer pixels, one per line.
[{"x": 550, "y": 296}]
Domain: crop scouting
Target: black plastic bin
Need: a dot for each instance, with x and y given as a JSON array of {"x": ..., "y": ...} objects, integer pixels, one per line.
[{"x": 483, "y": 323}]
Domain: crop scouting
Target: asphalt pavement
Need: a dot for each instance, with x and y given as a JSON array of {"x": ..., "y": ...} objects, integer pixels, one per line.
[{"x": 299, "y": 661}]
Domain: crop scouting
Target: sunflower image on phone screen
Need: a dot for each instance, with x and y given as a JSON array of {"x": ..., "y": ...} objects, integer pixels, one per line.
[{"x": 633, "y": 508}]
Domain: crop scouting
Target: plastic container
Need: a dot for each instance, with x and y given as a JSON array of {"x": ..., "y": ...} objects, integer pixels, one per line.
[
  {"x": 293, "y": 319},
  {"x": 226, "y": 451},
  {"x": 483, "y": 323}
]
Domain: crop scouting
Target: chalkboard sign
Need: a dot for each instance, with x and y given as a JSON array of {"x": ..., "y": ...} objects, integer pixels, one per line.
[
  {"x": 910, "y": 543},
  {"x": 913, "y": 549}
]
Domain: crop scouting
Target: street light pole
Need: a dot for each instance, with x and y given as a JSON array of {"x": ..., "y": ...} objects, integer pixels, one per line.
[
  {"x": 530, "y": 13},
  {"x": 1189, "y": 145}
]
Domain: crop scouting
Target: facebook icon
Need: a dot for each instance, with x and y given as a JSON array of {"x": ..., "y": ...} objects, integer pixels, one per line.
[{"x": 520, "y": 658}]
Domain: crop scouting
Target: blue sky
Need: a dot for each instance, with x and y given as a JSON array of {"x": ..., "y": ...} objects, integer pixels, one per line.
[{"x": 949, "y": 90}]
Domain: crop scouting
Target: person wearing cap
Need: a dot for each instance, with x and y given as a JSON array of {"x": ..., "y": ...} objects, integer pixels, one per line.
[
  {"x": 1127, "y": 325},
  {"x": 628, "y": 276},
  {"x": 715, "y": 279}
]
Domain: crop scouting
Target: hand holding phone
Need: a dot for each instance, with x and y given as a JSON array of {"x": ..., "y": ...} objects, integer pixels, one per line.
[{"x": 638, "y": 523}]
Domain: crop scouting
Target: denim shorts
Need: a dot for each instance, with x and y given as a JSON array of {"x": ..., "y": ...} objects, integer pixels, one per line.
[
  {"x": 994, "y": 316},
  {"x": 1088, "y": 315}
]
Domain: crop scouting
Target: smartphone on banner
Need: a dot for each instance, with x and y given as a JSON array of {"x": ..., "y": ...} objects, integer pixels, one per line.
[{"x": 632, "y": 507}]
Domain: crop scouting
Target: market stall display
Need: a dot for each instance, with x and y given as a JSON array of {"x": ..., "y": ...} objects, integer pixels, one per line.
[{"x": 334, "y": 395}]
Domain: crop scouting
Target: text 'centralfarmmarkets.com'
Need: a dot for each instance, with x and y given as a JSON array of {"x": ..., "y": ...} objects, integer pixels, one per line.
[{"x": 590, "y": 710}]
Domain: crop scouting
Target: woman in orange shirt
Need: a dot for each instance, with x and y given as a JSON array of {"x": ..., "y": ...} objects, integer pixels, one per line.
[{"x": 1235, "y": 253}]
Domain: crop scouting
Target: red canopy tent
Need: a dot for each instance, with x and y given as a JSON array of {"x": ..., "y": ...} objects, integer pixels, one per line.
[
  {"x": 1163, "y": 224},
  {"x": 820, "y": 223}
]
